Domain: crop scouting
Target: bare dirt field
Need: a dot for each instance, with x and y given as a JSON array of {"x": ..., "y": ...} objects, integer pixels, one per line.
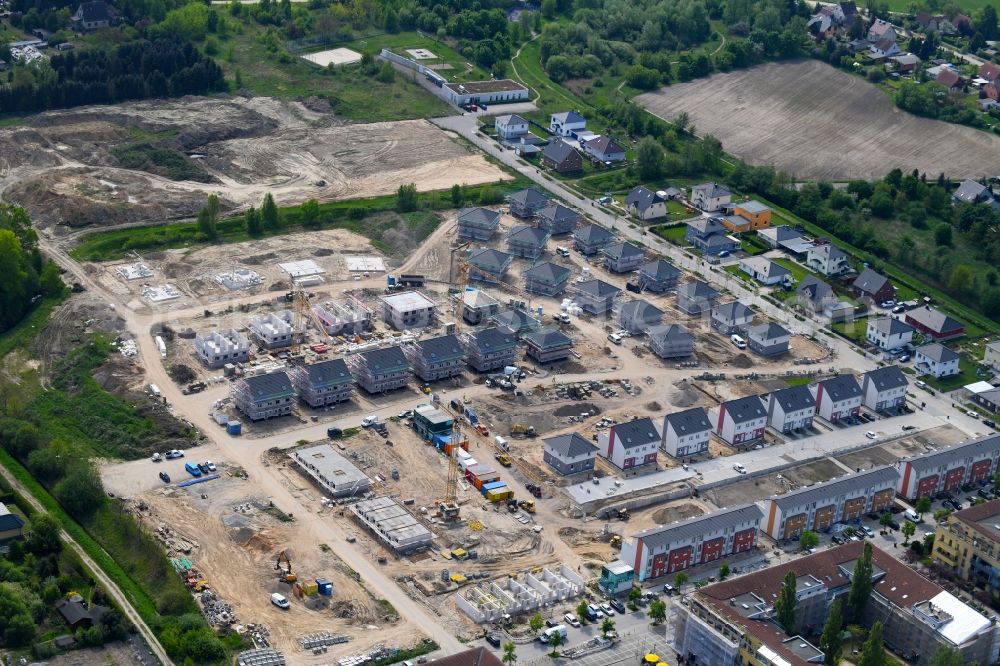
[
  {"x": 62, "y": 167},
  {"x": 814, "y": 121},
  {"x": 890, "y": 452}
]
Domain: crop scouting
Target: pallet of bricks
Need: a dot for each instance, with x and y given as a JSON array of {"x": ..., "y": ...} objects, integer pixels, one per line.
[
  {"x": 319, "y": 642},
  {"x": 261, "y": 657}
]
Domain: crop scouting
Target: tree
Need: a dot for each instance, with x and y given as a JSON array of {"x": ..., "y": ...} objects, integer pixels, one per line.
[
  {"x": 942, "y": 234},
  {"x": 831, "y": 642},
  {"x": 206, "y": 225},
  {"x": 941, "y": 514},
  {"x": 784, "y": 607},
  {"x": 650, "y": 157},
  {"x": 49, "y": 282},
  {"x": 885, "y": 519},
  {"x": 44, "y": 535},
  {"x": 607, "y": 626},
  {"x": 406, "y": 198},
  {"x": 269, "y": 213},
  {"x": 679, "y": 580},
  {"x": 536, "y": 623},
  {"x": 923, "y": 505},
  {"x": 946, "y": 656},
  {"x": 724, "y": 572},
  {"x": 873, "y": 652},
  {"x": 581, "y": 611},
  {"x": 509, "y": 657},
  {"x": 808, "y": 540},
  {"x": 309, "y": 210},
  {"x": 555, "y": 640},
  {"x": 251, "y": 220},
  {"x": 80, "y": 491},
  {"x": 861, "y": 583},
  {"x": 657, "y": 611},
  {"x": 456, "y": 195},
  {"x": 960, "y": 279},
  {"x": 634, "y": 594},
  {"x": 908, "y": 530}
]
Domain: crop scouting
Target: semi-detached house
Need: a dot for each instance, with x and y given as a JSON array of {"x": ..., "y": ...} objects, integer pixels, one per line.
[
  {"x": 630, "y": 445},
  {"x": 837, "y": 398},
  {"x": 791, "y": 409},
  {"x": 950, "y": 468},
  {"x": 741, "y": 421},
  {"x": 885, "y": 389},
  {"x": 686, "y": 433},
  {"x": 819, "y": 506},
  {"x": 669, "y": 548}
]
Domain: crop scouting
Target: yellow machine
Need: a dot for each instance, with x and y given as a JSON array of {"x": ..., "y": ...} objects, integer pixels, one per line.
[
  {"x": 527, "y": 505},
  {"x": 284, "y": 575}
]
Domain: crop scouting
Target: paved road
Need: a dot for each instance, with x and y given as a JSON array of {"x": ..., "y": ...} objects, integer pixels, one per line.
[{"x": 109, "y": 585}]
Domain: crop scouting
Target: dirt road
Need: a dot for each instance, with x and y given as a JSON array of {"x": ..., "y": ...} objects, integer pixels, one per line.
[{"x": 109, "y": 585}]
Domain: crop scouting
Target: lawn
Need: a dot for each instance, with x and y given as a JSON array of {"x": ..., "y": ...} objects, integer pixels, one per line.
[
  {"x": 798, "y": 381},
  {"x": 966, "y": 376},
  {"x": 968, "y": 6},
  {"x": 551, "y": 97},
  {"x": 257, "y": 57},
  {"x": 456, "y": 67},
  {"x": 852, "y": 330},
  {"x": 674, "y": 234}
]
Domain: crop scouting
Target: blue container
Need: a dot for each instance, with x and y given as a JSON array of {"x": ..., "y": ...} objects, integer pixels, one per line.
[
  {"x": 325, "y": 587},
  {"x": 234, "y": 428},
  {"x": 492, "y": 485}
]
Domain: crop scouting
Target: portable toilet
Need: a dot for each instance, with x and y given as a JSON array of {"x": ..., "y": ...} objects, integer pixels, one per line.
[
  {"x": 234, "y": 428},
  {"x": 325, "y": 587}
]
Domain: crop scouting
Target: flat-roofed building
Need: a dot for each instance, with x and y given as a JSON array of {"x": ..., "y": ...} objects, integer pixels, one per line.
[
  {"x": 217, "y": 348},
  {"x": 337, "y": 476},
  {"x": 407, "y": 310}
]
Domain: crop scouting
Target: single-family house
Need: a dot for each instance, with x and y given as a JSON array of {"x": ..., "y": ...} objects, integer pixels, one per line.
[
  {"x": 670, "y": 341},
  {"x": 547, "y": 345},
  {"x": 827, "y": 259},
  {"x": 731, "y": 317},
  {"x": 950, "y": 79},
  {"x": 905, "y": 63},
  {"x": 880, "y": 30},
  {"x": 931, "y": 321},
  {"x": 685, "y": 433},
  {"x": 510, "y": 127},
  {"x": 638, "y": 316},
  {"x": 591, "y": 239},
  {"x": 873, "y": 287},
  {"x": 821, "y": 26},
  {"x": 488, "y": 265},
  {"x": 888, "y": 333},
  {"x": 595, "y": 296},
  {"x": 11, "y": 525},
  {"x": 658, "y": 276},
  {"x": 557, "y": 219},
  {"x": 623, "y": 257},
  {"x": 711, "y": 197},
  {"x": 709, "y": 236},
  {"x": 740, "y": 422},
  {"x": 768, "y": 339},
  {"x": 791, "y": 408},
  {"x": 885, "y": 48},
  {"x": 546, "y": 279},
  {"x": 696, "y": 297},
  {"x": 990, "y": 72},
  {"x": 569, "y": 454},
  {"x": 527, "y": 242},
  {"x": 515, "y": 321},
  {"x": 972, "y": 192},
  {"x": 603, "y": 149},
  {"x": 814, "y": 294},
  {"x": 992, "y": 356},
  {"x": 838, "y": 398},
  {"x": 527, "y": 202},
  {"x": 477, "y": 223},
  {"x": 936, "y": 360},
  {"x": 645, "y": 204},
  {"x": 765, "y": 271},
  {"x": 631, "y": 444},
  {"x": 478, "y": 306},
  {"x": 566, "y": 123},
  {"x": 985, "y": 396},
  {"x": 775, "y": 236},
  {"x": 76, "y": 614},
  {"x": 92, "y": 15},
  {"x": 562, "y": 157},
  {"x": 885, "y": 389},
  {"x": 758, "y": 214}
]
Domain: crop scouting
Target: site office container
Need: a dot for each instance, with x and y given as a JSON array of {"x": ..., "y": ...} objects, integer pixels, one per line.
[
  {"x": 499, "y": 494},
  {"x": 488, "y": 486}
]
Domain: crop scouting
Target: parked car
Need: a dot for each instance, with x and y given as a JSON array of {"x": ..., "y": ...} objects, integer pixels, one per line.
[
  {"x": 905, "y": 358},
  {"x": 740, "y": 468},
  {"x": 908, "y": 428},
  {"x": 174, "y": 453},
  {"x": 668, "y": 588},
  {"x": 334, "y": 433},
  {"x": 920, "y": 384},
  {"x": 157, "y": 457},
  {"x": 871, "y": 434},
  {"x": 867, "y": 530},
  {"x": 972, "y": 414},
  {"x": 211, "y": 466},
  {"x": 280, "y": 601},
  {"x": 952, "y": 504},
  {"x": 608, "y": 609},
  {"x": 617, "y": 605},
  {"x": 406, "y": 414},
  {"x": 571, "y": 620},
  {"x": 165, "y": 477},
  {"x": 369, "y": 421},
  {"x": 899, "y": 309},
  {"x": 615, "y": 338},
  {"x": 549, "y": 622},
  {"x": 887, "y": 304},
  {"x": 989, "y": 423},
  {"x": 493, "y": 639},
  {"x": 724, "y": 254},
  {"x": 203, "y": 467},
  {"x": 837, "y": 539}
]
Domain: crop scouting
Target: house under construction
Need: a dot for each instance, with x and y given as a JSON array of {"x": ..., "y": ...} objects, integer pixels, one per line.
[
  {"x": 263, "y": 397},
  {"x": 324, "y": 383},
  {"x": 217, "y": 348},
  {"x": 380, "y": 370},
  {"x": 348, "y": 318},
  {"x": 489, "y": 349},
  {"x": 435, "y": 358},
  {"x": 332, "y": 471},
  {"x": 489, "y": 602},
  {"x": 392, "y": 524},
  {"x": 273, "y": 330}
]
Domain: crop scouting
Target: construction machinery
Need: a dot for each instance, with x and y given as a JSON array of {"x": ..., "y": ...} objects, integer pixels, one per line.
[
  {"x": 448, "y": 509},
  {"x": 616, "y": 541},
  {"x": 527, "y": 505},
  {"x": 522, "y": 430},
  {"x": 503, "y": 459},
  {"x": 512, "y": 505},
  {"x": 285, "y": 574}
]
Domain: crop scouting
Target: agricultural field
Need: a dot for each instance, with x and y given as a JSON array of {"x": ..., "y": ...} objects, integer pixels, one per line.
[{"x": 798, "y": 116}]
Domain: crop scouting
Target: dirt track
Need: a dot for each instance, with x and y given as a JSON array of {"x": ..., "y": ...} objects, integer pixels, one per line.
[
  {"x": 62, "y": 169},
  {"x": 814, "y": 121}
]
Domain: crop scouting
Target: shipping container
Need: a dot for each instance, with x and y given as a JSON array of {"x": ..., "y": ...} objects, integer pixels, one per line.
[
  {"x": 310, "y": 588},
  {"x": 234, "y": 428},
  {"x": 490, "y": 485},
  {"x": 467, "y": 463},
  {"x": 499, "y": 494},
  {"x": 325, "y": 587}
]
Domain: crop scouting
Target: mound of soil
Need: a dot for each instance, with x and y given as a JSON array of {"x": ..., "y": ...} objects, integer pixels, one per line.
[{"x": 742, "y": 361}]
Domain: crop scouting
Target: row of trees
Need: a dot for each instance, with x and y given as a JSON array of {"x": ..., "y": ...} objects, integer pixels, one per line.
[{"x": 26, "y": 275}]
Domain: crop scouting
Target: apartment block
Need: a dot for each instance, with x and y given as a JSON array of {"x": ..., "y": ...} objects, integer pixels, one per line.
[
  {"x": 263, "y": 397},
  {"x": 489, "y": 349},
  {"x": 408, "y": 310},
  {"x": 950, "y": 468}
]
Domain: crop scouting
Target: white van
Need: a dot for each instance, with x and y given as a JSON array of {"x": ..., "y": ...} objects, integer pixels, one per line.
[
  {"x": 738, "y": 341},
  {"x": 615, "y": 338},
  {"x": 562, "y": 251},
  {"x": 558, "y": 629},
  {"x": 912, "y": 516}
]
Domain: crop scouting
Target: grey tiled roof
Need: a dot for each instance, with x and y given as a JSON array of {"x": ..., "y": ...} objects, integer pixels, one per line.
[
  {"x": 483, "y": 216},
  {"x": 692, "y": 528},
  {"x": 598, "y": 288},
  {"x": 745, "y": 409},
  {"x": 489, "y": 259},
  {"x": 528, "y": 196},
  {"x": 794, "y": 398},
  {"x": 989, "y": 444},
  {"x": 328, "y": 372},
  {"x": 869, "y": 281},
  {"x": 660, "y": 270},
  {"x": 697, "y": 289},
  {"x": 640, "y": 310},
  {"x": 385, "y": 360},
  {"x": 814, "y": 289},
  {"x": 548, "y": 272},
  {"x": 592, "y": 233},
  {"x": 712, "y": 190},
  {"x": 570, "y": 445},
  {"x": 689, "y": 421},
  {"x": 938, "y": 353},
  {"x": 558, "y": 213},
  {"x": 841, "y": 387},
  {"x": 440, "y": 349},
  {"x": 933, "y": 319},
  {"x": 732, "y": 311},
  {"x": 890, "y": 326},
  {"x": 493, "y": 339},
  {"x": 566, "y": 117},
  {"x": 639, "y": 432},
  {"x": 271, "y": 384},
  {"x": 768, "y": 331},
  {"x": 708, "y": 225},
  {"x": 623, "y": 251},
  {"x": 886, "y": 378},
  {"x": 558, "y": 151},
  {"x": 830, "y": 490},
  {"x": 514, "y": 319},
  {"x": 672, "y": 332},
  {"x": 526, "y": 235},
  {"x": 642, "y": 198},
  {"x": 547, "y": 338}
]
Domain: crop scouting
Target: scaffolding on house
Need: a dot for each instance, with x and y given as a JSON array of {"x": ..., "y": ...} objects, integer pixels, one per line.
[{"x": 351, "y": 317}]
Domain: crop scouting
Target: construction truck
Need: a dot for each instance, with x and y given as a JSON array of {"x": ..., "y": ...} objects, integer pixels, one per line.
[
  {"x": 503, "y": 459},
  {"x": 527, "y": 505},
  {"x": 512, "y": 505},
  {"x": 285, "y": 575}
]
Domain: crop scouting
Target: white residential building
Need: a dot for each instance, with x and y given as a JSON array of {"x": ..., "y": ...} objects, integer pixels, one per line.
[
  {"x": 827, "y": 259},
  {"x": 741, "y": 421},
  {"x": 889, "y": 333},
  {"x": 685, "y": 433},
  {"x": 837, "y": 398},
  {"x": 885, "y": 389},
  {"x": 567, "y": 123},
  {"x": 792, "y": 408},
  {"x": 217, "y": 348},
  {"x": 510, "y": 126},
  {"x": 629, "y": 445},
  {"x": 936, "y": 360},
  {"x": 407, "y": 310}
]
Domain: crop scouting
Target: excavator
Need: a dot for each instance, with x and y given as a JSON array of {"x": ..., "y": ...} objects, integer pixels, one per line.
[{"x": 285, "y": 575}]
